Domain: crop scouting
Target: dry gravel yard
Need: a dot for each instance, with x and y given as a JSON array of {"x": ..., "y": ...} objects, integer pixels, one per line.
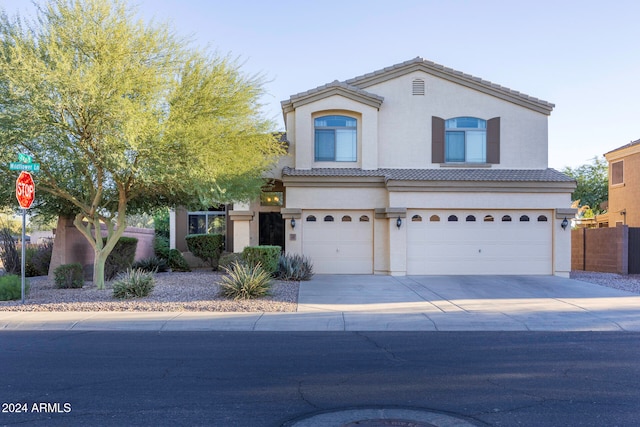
[
  {"x": 198, "y": 291},
  {"x": 194, "y": 291},
  {"x": 630, "y": 282}
]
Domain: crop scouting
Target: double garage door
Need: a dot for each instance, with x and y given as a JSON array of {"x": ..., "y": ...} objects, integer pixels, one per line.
[
  {"x": 438, "y": 242},
  {"x": 339, "y": 242},
  {"x": 479, "y": 242}
]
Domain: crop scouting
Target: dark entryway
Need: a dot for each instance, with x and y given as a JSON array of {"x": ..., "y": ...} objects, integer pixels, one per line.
[{"x": 271, "y": 229}]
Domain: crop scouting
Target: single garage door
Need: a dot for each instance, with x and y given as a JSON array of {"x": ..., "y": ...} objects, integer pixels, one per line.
[
  {"x": 479, "y": 242},
  {"x": 338, "y": 242}
]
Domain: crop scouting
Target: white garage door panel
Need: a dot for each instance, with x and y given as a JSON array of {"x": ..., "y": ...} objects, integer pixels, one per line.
[
  {"x": 479, "y": 247},
  {"x": 339, "y": 247}
]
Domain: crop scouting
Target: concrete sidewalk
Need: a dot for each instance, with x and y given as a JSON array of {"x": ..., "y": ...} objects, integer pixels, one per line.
[{"x": 385, "y": 303}]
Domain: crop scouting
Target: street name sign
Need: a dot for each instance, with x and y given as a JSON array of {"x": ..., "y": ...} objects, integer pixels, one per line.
[{"x": 30, "y": 167}]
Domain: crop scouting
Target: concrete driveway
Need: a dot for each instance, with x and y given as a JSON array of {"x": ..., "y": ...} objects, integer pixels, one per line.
[{"x": 454, "y": 303}]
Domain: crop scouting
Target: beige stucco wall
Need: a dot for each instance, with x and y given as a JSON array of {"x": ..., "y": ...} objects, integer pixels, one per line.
[
  {"x": 625, "y": 197},
  {"x": 303, "y": 132},
  {"x": 336, "y": 198},
  {"x": 480, "y": 200},
  {"x": 405, "y": 123}
]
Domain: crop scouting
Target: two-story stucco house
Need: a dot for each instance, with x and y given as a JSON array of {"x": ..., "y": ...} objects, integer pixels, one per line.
[
  {"x": 415, "y": 169},
  {"x": 624, "y": 185}
]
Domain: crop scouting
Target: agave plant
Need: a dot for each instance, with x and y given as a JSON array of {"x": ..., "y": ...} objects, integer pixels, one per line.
[
  {"x": 294, "y": 267},
  {"x": 244, "y": 281},
  {"x": 133, "y": 283}
]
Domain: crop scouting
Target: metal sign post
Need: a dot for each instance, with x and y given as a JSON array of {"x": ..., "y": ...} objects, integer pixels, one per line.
[
  {"x": 25, "y": 193},
  {"x": 24, "y": 251}
]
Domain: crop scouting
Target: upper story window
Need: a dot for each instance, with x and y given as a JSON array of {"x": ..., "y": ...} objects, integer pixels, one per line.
[
  {"x": 335, "y": 139},
  {"x": 466, "y": 140},
  {"x": 617, "y": 173}
]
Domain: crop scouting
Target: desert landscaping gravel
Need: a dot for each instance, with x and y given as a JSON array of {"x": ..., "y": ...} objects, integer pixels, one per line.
[
  {"x": 199, "y": 291},
  {"x": 628, "y": 282},
  {"x": 193, "y": 291}
]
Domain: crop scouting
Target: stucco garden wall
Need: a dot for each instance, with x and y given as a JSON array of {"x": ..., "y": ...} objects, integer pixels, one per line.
[{"x": 70, "y": 246}]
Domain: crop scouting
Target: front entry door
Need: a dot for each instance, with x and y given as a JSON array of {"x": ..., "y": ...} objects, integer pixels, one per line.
[{"x": 271, "y": 229}]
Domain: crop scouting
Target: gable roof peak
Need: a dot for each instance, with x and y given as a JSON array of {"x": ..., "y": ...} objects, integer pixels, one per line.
[{"x": 420, "y": 64}]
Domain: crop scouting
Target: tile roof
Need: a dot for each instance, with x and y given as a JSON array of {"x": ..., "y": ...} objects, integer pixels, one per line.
[
  {"x": 337, "y": 84},
  {"x": 357, "y": 84},
  {"x": 631, "y": 144},
  {"x": 442, "y": 174}
]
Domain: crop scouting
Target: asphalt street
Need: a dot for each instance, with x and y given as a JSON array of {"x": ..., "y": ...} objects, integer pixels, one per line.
[{"x": 69, "y": 378}]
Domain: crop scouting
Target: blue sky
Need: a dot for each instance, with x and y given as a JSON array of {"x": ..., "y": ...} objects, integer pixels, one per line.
[{"x": 583, "y": 56}]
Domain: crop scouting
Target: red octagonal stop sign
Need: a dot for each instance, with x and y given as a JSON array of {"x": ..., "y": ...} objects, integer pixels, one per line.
[{"x": 25, "y": 190}]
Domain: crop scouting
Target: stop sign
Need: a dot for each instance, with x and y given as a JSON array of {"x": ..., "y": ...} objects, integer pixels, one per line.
[{"x": 25, "y": 190}]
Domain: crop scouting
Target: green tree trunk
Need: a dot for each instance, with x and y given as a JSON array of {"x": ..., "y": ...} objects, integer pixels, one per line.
[{"x": 98, "y": 268}]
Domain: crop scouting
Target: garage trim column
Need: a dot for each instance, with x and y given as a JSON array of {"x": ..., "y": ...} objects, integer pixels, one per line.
[
  {"x": 397, "y": 229},
  {"x": 562, "y": 242},
  {"x": 292, "y": 234}
]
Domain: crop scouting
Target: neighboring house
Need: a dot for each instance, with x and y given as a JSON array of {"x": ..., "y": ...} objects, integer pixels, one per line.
[
  {"x": 415, "y": 169},
  {"x": 624, "y": 185}
]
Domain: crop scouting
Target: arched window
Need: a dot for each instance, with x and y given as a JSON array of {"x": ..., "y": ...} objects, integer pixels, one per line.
[
  {"x": 506, "y": 218},
  {"x": 328, "y": 218},
  {"x": 471, "y": 218},
  {"x": 336, "y": 139},
  {"x": 465, "y": 140},
  {"x": 346, "y": 218},
  {"x": 542, "y": 218},
  {"x": 434, "y": 218},
  {"x": 311, "y": 218},
  {"x": 364, "y": 218},
  {"x": 524, "y": 218},
  {"x": 488, "y": 218},
  {"x": 452, "y": 218},
  {"x": 416, "y": 218}
]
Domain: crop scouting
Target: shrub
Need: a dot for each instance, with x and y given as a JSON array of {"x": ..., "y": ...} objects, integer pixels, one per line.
[
  {"x": 161, "y": 247},
  {"x": 207, "y": 247},
  {"x": 294, "y": 267},
  {"x": 177, "y": 262},
  {"x": 152, "y": 264},
  {"x": 11, "y": 287},
  {"x": 38, "y": 259},
  {"x": 9, "y": 252},
  {"x": 245, "y": 281},
  {"x": 266, "y": 256},
  {"x": 68, "y": 276},
  {"x": 121, "y": 257},
  {"x": 227, "y": 259},
  {"x": 133, "y": 283}
]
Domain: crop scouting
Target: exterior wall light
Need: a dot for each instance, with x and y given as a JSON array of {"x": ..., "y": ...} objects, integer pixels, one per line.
[
  {"x": 564, "y": 223},
  {"x": 293, "y": 223},
  {"x": 399, "y": 222}
]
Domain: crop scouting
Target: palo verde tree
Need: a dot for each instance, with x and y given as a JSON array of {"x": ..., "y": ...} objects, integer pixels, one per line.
[{"x": 124, "y": 117}]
